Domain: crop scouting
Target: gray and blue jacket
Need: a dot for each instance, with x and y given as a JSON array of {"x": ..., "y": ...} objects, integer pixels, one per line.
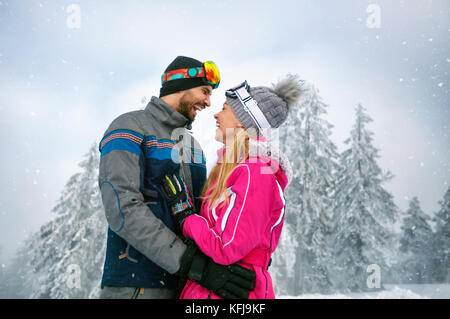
[{"x": 137, "y": 150}]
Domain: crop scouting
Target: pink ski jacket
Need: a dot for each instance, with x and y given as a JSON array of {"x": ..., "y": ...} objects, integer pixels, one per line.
[{"x": 246, "y": 230}]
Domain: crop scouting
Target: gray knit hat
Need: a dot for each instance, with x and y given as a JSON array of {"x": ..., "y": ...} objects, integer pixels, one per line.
[{"x": 274, "y": 102}]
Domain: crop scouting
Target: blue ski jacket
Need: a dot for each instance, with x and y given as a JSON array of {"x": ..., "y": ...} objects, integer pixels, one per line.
[{"x": 137, "y": 150}]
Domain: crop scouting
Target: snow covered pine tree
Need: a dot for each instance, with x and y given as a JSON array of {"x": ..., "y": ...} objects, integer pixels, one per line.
[
  {"x": 441, "y": 242},
  {"x": 66, "y": 256},
  {"x": 415, "y": 244},
  {"x": 305, "y": 139},
  {"x": 364, "y": 211}
]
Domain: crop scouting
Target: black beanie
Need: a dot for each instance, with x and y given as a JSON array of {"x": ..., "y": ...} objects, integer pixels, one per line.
[{"x": 181, "y": 62}]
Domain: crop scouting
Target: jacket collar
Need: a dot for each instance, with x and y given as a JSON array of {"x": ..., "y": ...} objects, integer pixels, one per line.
[
  {"x": 269, "y": 153},
  {"x": 167, "y": 115}
]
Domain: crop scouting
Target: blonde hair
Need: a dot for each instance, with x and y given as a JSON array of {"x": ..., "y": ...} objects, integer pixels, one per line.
[{"x": 234, "y": 154}]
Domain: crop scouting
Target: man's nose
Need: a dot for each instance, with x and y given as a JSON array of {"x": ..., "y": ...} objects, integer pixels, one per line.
[{"x": 207, "y": 101}]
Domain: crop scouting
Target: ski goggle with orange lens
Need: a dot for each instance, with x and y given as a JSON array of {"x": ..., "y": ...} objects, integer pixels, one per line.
[{"x": 208, "y": 72}]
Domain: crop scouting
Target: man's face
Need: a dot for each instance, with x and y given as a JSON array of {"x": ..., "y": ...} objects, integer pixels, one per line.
[{"x": 194, "y": 100}]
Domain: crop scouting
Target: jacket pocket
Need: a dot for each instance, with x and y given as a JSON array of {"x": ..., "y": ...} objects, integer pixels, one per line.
[
  {"x": 157, "y": 204},
  {"x": 132, "y": 254},
  {"x": 156, "y": 208}
]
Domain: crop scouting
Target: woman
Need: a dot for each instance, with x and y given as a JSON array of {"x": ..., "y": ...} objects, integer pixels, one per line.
[{"x": 243, "y": 206}]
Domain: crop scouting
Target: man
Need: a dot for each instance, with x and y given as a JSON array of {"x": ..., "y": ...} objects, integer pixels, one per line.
[{"x": 144, "y": 256}]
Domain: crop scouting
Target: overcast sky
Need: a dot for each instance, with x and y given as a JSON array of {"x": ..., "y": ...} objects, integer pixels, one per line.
[{"x": 68, "y": 68}]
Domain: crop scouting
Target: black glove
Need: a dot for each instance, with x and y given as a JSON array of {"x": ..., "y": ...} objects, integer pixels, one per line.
[
  {"x": 178, "y": 199},
  {"x": 228, "y": 282}
]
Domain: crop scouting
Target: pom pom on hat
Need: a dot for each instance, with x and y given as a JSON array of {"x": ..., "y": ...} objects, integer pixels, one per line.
[
  {"x": 290, "y": 89},
  {"x": 274, "y": 102}
]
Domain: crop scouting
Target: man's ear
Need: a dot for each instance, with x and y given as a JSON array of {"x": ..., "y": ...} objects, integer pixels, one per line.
[{"x": 179, "y": 94}]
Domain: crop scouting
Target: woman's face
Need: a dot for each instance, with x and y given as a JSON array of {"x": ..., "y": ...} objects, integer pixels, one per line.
[{"x": 227, "y": 123}]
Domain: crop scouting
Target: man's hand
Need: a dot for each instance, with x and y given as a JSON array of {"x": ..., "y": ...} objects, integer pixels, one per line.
[
  {"x": 229, "y": 282},
  {"x": 178, "y": 199}
]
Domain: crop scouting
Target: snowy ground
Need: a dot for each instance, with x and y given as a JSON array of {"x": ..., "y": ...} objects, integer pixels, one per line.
[{"x": 392, "y": 292}]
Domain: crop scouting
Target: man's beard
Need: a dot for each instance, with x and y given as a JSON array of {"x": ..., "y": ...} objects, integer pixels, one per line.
[{"x": 185, "y": 106}]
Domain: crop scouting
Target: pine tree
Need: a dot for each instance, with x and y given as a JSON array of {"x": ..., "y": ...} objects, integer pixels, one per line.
[
  {"x": 305, "y": 139},
  {"x": 441, "y": 242},
  {"x": 415, "y": 243},
  {"x": 2, "y": 276},
  {"x": 364, "y": 211},
  {"x": 66, "y": 255},
  {"x": 14, "y": 284},
  {"x": 282, "y": 268}
]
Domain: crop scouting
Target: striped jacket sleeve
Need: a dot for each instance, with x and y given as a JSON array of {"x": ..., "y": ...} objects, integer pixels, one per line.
[{"x": 127, "y": 214}]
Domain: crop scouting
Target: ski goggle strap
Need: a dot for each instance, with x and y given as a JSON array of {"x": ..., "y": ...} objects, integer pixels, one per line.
[
  {"x": 250, "y": 105},
  {"x": 209, "y": 72}
]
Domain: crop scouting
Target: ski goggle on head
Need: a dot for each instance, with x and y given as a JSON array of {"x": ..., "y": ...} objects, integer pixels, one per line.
[
  {"x": 208, "y": 72},
  {"x": 242, "y": 93}
]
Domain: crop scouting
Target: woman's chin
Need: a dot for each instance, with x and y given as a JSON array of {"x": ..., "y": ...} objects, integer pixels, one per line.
[{"x": 219, "y": 135}]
